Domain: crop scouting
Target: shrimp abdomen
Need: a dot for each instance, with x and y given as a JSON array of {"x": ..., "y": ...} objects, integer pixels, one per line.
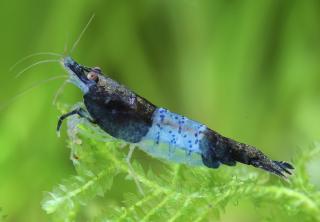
[
  {"x": 174, "y": 137},
  {"x": 222, "y": 150}
]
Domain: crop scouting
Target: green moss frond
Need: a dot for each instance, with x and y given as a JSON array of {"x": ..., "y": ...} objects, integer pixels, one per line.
[{"x": 172, "y": 192}]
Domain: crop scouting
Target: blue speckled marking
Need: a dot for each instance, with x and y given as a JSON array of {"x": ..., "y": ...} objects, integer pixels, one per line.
[{"x": 174, "y": 137}]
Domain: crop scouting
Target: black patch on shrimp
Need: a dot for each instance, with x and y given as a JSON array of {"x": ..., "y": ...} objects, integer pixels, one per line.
[
  {"x": 215, "y": 151},
  {"x": 129, "y": 120}
]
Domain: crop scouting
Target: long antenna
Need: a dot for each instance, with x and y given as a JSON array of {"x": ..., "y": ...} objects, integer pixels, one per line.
[
  {"x": 36, "y": 85},
  {"x": 81, "y": 34},
  {"x": 32, "y": 55}
]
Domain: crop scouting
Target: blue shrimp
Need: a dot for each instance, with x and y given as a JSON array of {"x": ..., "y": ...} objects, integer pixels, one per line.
[{"x": 163, "y": 134}]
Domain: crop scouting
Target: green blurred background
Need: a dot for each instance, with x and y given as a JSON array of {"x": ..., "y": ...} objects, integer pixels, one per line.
[{"x": 248, "y": 69}]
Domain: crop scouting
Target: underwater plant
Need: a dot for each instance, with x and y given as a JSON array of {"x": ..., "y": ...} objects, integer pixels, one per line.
[{"x": 172, "y": 192}]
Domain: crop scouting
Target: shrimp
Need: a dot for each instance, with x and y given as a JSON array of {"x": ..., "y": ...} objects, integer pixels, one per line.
[{"x": 159, "y": 132}]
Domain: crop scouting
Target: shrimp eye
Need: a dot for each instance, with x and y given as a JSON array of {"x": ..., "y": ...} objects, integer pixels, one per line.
[{"x": 92, "y": 75}]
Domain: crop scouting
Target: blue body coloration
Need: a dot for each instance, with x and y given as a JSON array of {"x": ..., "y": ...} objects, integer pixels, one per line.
[{"x": 174, "y": 137}]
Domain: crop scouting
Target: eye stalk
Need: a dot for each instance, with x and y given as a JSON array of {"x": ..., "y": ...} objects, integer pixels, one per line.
[{"x": 96, "y": 70}]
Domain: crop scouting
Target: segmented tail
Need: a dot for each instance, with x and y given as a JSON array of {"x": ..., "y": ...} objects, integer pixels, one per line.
[
  {"x": 227, "y": 151},
  {"x": 249, "y": 155}
]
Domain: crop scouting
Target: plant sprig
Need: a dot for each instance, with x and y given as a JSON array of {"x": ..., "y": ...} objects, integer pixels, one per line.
[{"x": 177, "y": 193}]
